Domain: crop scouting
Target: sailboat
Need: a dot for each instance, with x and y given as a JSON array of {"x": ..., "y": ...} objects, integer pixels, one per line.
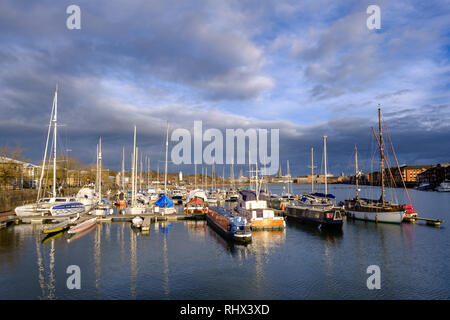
[
  {"x": 121, "y": 200},
  {"x": 135, "y": 207},
  {"x": 164, "y": 205},
  {"x": 55, "y": 206},
  {"x": 102, "y": 207},
  {"x": 316, "y": 208},
  {"x": 375, "y": 210}
]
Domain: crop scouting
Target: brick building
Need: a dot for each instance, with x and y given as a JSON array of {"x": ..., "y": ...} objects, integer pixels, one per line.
[{"x": 435, "y": 175}]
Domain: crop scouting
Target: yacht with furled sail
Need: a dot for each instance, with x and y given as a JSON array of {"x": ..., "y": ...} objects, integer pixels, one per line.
[
  {"x": 135, "y": 207},
  {"x": 102, "y": 207},
  {"x": 375, "y": 210},
  {"x": 164, "y": 205},
  {"x": 87, "y": 196},
  {"x": 316, "y": 208},
  {"x": 121, "y": 199},
  {"x": 55, "y": 206}
]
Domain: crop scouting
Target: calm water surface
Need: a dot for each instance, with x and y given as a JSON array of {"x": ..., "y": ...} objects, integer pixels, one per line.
[{"x": 189, "y": 260}]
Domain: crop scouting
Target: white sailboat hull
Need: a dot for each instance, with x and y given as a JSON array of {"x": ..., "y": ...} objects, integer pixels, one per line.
[
  {"x": 137, "y": 222},
  {"x": 164, "y": 211},
  {"x": 102, "y": 211},
  {"x": 385, "y": 217},
  {"x": 30, "y": 210}
]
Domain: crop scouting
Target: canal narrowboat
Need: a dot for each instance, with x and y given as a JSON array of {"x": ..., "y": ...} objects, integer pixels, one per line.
[
  {"x": 316, "y": 209},
  {"x": 232, "y": 227}
]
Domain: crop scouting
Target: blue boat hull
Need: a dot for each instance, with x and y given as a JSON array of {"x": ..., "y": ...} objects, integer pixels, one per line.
[
  {"x": 306, "y": 217},
  {"x": 227, "y": 234},
  {"x": 67, "y": 209}
]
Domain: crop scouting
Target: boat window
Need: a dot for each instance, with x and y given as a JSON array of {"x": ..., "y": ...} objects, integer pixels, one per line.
[{"x": 60, "y": 200}]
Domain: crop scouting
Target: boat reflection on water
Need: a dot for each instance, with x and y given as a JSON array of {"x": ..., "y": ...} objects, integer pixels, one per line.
[
  {"x": 81, "y": 234},
  {"x": 324, "y": 233},
  {"x": 46, "y": 283},
  {"x": 196, "y": 228},
  {"x": 262, "y": 243},
  {"x": 165, "y": 228},
  {"x": 51, "y": 236},
  {"x": 133, "y": 264},
  {"x": 97, "y": 255}
]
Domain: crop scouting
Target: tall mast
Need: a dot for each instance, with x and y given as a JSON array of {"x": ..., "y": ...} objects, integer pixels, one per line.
[
  {"x": 167, "y": 150},
  {"x": 195, "y": 176},
  {"x": 312, "y": 170},
  {"x": 289, "y": 177},
  {"x": 325, "y": 162},
  {"x": 232, "y": 174},
  {"x": 381, "y": 154},
  {"x": 100, "y": 169},
  {"x": 356, "y": 172},
  {"x": 256, "y": 181},
  {"x": 157, "y": 174},
  {"x": 148, "y": 172},
  {"x": 123, "y": 168},
  {"x": 249, "y": 169},
  {"x": 213, "y": 179},
  {"x": 133, "y": 168},
  {"x": 96, "y": 172},
  {"x": 54, "y": 140},
  {"x": 206, "y": 178},
  {"x": 140, "y": 176},
  {"x": 46, "y": 146},
  {"x": 136, "y": 173}
]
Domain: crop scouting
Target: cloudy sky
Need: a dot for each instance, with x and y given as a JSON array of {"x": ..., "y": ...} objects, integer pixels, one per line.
[{"x": 308, "y": 68}]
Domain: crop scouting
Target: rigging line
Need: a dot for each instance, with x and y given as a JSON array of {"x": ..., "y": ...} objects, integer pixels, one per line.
[
  {"x": 396, "y": 161},
  {"x": 374, "y": 151}
]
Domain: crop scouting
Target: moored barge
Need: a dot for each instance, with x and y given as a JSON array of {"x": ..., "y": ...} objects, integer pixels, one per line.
[
  {"x": 316, "y": 209},
  {"x": 230, "y": 226}
]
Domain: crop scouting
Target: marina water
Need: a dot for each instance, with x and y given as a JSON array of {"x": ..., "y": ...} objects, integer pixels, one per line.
[{"x": 189, "y": 260}]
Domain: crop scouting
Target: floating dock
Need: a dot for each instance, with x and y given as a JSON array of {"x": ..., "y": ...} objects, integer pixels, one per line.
[
  {"x": 146, "y": 224},
  {"x": 429, "y": 221},
  {"x": 151, "y": 217}
]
